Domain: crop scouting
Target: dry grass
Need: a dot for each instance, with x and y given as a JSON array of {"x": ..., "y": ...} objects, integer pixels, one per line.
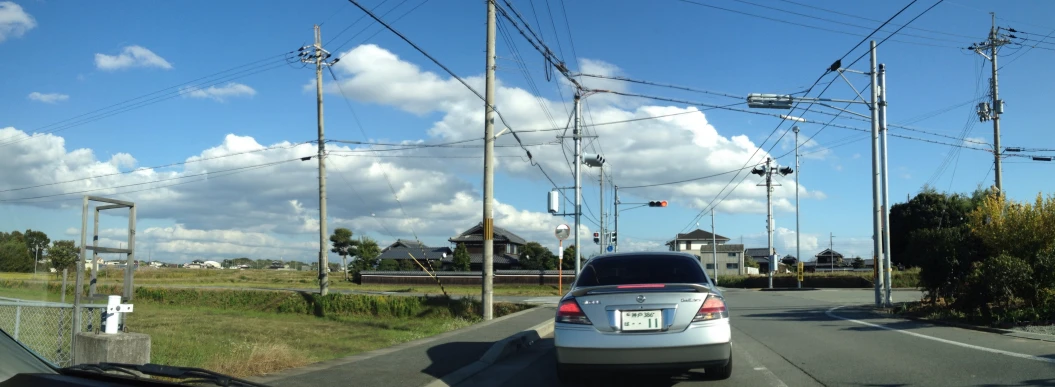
[{"x": 257, "y": 358}]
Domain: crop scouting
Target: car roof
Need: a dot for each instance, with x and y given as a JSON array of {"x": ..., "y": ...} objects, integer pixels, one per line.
[{"x": 645, "y": 254}]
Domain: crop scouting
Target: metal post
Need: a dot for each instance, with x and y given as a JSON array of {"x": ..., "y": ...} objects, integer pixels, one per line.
[
  {"x": 36, "y": 258},
  {"x": 877, "y": 216},
  {"x": 714, "y": 248},
  {"x": 489, "y": 148},
  {"x": 78, "y": 283},
  {"x": 886, "y": 187},
  {"x": 578, "y": 187},
  {"x": 324, "y": 265},
  {"x": 130, "y": 263},
  {"x": 615, "y": 197},
  {"x": 769, "y": 219},
  {"x": 994, "y": 43},
  {"x": 62, "y": 297},
  {"x": 831, "y": 251},
  {"x": 798, "y": 171},
  {"x": 95, "y": 256}
]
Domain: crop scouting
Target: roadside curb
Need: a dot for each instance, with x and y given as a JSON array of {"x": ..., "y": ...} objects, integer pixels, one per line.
[
  {"x": 1006, "y": 332},
  {"x": 268, "y": 378},
  {"x": 785, "y": 289},
  {"x": 500, "y": 350}
]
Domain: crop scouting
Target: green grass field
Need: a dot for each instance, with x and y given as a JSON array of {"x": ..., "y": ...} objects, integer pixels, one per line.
[{"x": 243, "y": 333}]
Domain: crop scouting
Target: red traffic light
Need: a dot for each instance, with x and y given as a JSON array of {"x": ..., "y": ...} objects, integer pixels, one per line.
[
  {"x": 657, "y": 203},
  {"x": 596, "y": 235}
]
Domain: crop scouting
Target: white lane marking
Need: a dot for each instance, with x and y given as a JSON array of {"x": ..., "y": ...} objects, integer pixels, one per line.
[
  {"x": 956, "y": 343},
  {"x": 774, "y": 381}
]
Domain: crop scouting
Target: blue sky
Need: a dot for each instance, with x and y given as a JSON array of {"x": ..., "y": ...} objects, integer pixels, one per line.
[{"x": 71, "y": 54}]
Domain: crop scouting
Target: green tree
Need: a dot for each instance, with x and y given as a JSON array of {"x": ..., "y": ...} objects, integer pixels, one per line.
[
  {"x": 750, "y": 262},
  {"x": 461, "y": 260},
  {"x": 858, "y": 263},
  {"x": 15, "y": 257},
  {"x": 569, "y": 261},
  {"x": 366, "y": 253},
  {"x": 534, "y": 256},
  {"x": 36, "y": 241},
  {"x": 63, "y": 255},
  {"x": 927, "y": 210},
  {"x": 388, "y": 265},
  {"x": 343, "y": 245}
]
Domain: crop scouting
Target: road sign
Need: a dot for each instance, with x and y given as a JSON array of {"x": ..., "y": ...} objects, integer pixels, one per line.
[
  {"x": 801, "y": 269},
  {"x": 610, "y": 248},
  {"x": 563, "y": 231}
]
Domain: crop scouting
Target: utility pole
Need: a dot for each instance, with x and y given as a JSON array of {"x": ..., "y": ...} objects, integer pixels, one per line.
[
  {"x": 319, "y": 59},
  {"x": 985, "y": 112},
  {"x": 886, "y": 187},
  {"x": 489, "y": 178},
  {"x": 577, "y": 137},
  {"x": 714, "y": 248},
  {"x": 615, "y": 198},
  {"x": 767, "y": 171},
  {"x": 831, "y": 250},
  {"x": 877, "y": 211},
  {"x": 603, "y": 232},
  {"x": 798, "y": 168}
]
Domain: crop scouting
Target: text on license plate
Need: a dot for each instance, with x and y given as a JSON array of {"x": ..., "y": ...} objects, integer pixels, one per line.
[{"x": 642, "y": 320}]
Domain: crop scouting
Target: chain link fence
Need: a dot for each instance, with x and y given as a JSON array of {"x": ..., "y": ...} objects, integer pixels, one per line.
[{"x": 47, "y": 327}]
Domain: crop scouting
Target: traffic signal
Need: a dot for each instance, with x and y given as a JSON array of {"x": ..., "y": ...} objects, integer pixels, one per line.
[
  {"x": 597, "y": 237},
  {"x": 657, "y": 203},
  {"x": 613, "y": 237}
]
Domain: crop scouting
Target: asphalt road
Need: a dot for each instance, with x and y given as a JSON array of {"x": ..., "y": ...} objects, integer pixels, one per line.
[{"x": 824, "y": 338}]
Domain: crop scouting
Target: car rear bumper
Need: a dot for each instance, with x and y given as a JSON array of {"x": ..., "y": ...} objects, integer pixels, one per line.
[
  {"x": 645, "y": 358},
  {"x": 701, "y": 345}
]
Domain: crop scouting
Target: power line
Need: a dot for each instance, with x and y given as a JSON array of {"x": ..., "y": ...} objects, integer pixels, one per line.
[
  {"x": 874, "y": 20},
  {"x": 687, "y": 180},
  {"x": 408, "y": 12},
  {"x": 806, "y": 25},
  {"x": 156, "y": 167},
  {"x": 143, "y": 100},
  {"x": 205, "y": 174},
  {"x": 625, "y": 79},
  {"x": 840, "y": 22}
]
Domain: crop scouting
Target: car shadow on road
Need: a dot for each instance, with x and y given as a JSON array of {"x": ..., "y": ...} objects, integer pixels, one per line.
[
  {"x": 446, "y": 358},
  {"x": 1031, "y": 382},
  {"x": 638, "y": 379}
]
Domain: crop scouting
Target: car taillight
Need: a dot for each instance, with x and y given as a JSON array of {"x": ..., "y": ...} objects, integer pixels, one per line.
[
  {"x": 712, "y": 309},
  {"x": 569, "y": 312}
]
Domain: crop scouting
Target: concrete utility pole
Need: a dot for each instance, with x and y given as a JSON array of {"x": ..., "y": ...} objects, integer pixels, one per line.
[
  {"x": 577, "y": 137},
  {"x": 600, "y": 171},
  {"x": 489, "y": 178},
  {"x": 767, "y": 171},
  {"x": 831, "y": 250},
  {"x": 798, "y": 170},
  {"x": 319, "y": 59},
  {"x": 714, "y": 248},
  {"x": 886, "y": 186},
  {"x": 985, "y": 111},
  {"x": 877, "y": 205}
]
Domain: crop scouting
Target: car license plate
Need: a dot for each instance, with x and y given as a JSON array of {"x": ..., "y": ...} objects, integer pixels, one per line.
[{"x": 642, "y": 320}]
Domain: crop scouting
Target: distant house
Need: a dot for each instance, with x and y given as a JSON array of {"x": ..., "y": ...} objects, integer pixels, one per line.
[
  {"x": 692, "y": 241},
  {"x": 507, "y": 247},
  {"x": 761, "y": 255},
  {"x": 405, "y": 243},
  {"x": 730, "y": 258},
  {"x": 420, "y": 253}
]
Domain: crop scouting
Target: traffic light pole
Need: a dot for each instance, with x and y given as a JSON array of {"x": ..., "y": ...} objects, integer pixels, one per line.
[
  {"x": 487, "y": 296},
  {"x": 886, "y": 186},
  {"x": 877, "y": 210},
  {"x": 601, "y": 174},
  {"x": 615, "y": 197},
  {"x": 578, "y": 187}
]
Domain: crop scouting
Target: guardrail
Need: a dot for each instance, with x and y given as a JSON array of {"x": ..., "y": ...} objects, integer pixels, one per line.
[{"x": 46, "y": 328}]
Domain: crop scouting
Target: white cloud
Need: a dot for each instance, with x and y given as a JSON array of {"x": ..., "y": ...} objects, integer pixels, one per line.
[
  {"x": 48, "y": 98},
  {"x": 14, "y": 21},
  {"x": 662, "y": 147},
  {"x": 131, "y": 56},
  {"x": 220, "y": 93}
]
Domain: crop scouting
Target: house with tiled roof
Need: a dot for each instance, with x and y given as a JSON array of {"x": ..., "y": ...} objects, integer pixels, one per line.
[{"x": 507, "y": 247}]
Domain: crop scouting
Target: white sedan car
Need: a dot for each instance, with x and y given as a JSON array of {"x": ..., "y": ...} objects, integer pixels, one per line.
[{"x": 646, "y": 310}]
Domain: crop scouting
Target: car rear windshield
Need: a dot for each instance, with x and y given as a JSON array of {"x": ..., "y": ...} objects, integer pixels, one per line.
[{"x": 642, "y": 269}]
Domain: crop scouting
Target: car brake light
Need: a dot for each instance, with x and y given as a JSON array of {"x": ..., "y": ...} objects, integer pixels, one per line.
[
  {"x": 713, "y": 308},
  {"x": 569, "y": 312},
  {"x": 641, "y": 286}
]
